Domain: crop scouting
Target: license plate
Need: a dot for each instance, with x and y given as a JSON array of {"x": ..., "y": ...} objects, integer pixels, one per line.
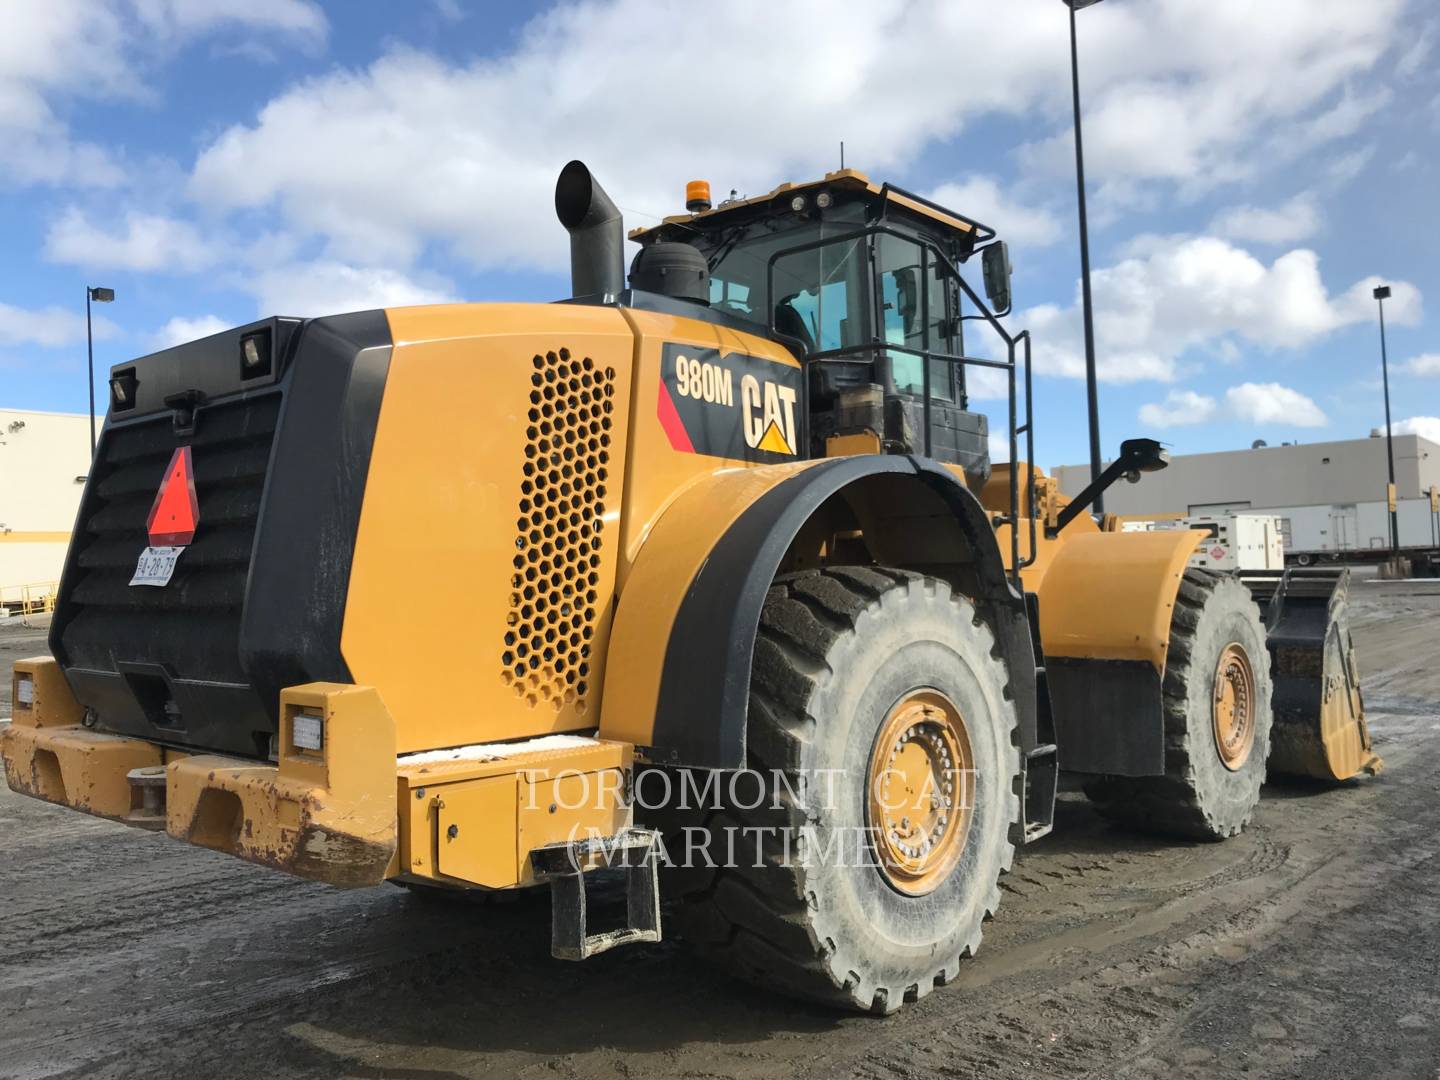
[{"x": 156, "y": 565}]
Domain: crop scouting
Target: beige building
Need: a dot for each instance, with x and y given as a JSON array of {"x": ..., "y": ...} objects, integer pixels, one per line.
[
  {"x": 44, "y": 458},
  {"x": 1305, "y": 474},
  {"x": 1329, "y": 496}
]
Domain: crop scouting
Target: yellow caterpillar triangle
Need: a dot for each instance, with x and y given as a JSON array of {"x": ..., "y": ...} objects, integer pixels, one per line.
[{"x": 773, "y": 441}]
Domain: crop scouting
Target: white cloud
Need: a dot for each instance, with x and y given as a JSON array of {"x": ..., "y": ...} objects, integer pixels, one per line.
[
  {"x": 1176, "y": 293},
  {"x": 48, "y": 327},
  {"x": 1180, "y": 407},
  {"x": 1178, "y": 90},
  {"x": 1424, "y": 364},
  {"x": 981, "y": 198},
  {"x": 999, "y": 443},
  {"x": 1188, "y": 91},
  {"x": 180, "y": 330},
  {"x": 1427, "y": 427},
  {"x": 60, "y": 50},
  {"x": 144, "y": 242},
  {"x": 1413, "y": 58},
  {"x": 1346, "y": 167},
  {"x": 1271, "y": 403},
  {"x": 302, "y": 18},
  {"x": 330, "y": 288},
  {"x": 1297, "y": 219}
]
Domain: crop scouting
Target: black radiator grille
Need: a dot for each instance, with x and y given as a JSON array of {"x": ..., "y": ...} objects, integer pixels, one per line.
[{"x": 194, "y": 621}]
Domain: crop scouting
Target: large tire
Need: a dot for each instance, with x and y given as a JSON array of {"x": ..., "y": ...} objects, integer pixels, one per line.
[
  {"x": 837, "y": 654},
  {"x": 1200, "y": 795}
]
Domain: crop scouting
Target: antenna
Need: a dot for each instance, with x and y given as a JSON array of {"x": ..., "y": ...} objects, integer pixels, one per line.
[{"x": 842, "y": 154}]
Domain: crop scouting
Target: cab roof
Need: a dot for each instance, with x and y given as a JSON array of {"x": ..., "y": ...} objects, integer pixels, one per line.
[{"x": 842, "y": 181}]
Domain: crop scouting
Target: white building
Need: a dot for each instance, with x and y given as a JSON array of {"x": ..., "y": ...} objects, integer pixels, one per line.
[
  {"x": 1329, "y": 496},
  {"x": 44, "y": 458}
]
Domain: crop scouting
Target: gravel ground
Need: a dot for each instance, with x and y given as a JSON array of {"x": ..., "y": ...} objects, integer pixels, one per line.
[{"x": 1307, "y": 947}]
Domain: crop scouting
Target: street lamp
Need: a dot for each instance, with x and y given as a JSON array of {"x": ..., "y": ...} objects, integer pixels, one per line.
[
  {"x": 101, "y": 296},
  {"x": 1381, "y": 294},
  {"x": 1091, "y": 392}
]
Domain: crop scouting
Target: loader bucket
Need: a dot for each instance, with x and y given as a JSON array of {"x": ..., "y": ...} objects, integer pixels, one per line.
[{"x": 1319, "y": 711}]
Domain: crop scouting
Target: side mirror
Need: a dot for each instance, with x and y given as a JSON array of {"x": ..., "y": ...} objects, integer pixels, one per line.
[
  {"x": 1144, "y": 455},
  {"x": 995, "y": 263}
]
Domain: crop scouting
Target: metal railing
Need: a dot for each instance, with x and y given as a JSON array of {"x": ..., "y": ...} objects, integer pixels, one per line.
[{"x": 33, "y": 598}]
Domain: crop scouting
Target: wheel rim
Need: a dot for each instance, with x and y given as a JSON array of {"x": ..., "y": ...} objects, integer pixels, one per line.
[
  {"x": 1234, "y": 706},
  {"x": 921, "y": 786}
]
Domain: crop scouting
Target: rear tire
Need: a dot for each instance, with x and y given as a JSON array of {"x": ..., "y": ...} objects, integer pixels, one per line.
[
  {"x": 841, "y": 655},
  {"x": 1215, "y": 635}
]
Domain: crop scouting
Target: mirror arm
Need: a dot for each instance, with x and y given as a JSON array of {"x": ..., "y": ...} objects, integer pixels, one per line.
[{"x": 1136, "y": 456}]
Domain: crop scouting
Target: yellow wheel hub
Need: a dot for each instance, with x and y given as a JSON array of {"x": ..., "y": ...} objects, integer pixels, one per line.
[
  {"x": 1234, "y": 706},
  {"x": 921, "y": 787}
]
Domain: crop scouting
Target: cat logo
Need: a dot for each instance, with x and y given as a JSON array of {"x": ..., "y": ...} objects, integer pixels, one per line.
[
  {"x": 769, "y": 415},
  {"x": 736, "y": 406}
]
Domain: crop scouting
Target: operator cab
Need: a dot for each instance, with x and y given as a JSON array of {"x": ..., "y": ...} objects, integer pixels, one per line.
[{"x": 860, "y": 281}]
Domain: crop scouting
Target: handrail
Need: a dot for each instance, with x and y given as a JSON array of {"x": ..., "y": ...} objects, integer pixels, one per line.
[{"x": 877, "y": 342}]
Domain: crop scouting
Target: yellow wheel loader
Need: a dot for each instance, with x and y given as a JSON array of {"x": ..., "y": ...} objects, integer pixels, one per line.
[{"x": 707, "y": 574}]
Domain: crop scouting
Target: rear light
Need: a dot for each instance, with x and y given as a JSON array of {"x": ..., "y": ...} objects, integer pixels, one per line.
[
  {"x": 122, "y": 390},
  {"x": 307, "y": 731},
  {"x": 255, "y": 359},
  {"x": 24, "y": 690}
]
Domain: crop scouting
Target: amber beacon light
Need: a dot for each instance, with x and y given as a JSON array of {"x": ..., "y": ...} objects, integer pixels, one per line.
[{"x": 697, "y": 196}]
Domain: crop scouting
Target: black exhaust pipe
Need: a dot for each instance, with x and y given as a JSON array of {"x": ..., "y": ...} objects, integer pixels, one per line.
[{"x": 597, "y": 235}]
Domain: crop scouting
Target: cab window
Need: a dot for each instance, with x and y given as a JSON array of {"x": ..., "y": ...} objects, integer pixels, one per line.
[{"x": 822, "y": 293}]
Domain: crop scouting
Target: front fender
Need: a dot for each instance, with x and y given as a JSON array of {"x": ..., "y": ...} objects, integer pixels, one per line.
[{"x": 1105, "y": 608}]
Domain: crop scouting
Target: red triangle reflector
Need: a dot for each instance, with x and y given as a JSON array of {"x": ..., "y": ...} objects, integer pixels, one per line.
[{"x": 176, "y": 511}]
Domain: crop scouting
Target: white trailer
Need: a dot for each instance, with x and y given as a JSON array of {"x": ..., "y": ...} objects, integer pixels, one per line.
[{"x": 1357, "y": 532}]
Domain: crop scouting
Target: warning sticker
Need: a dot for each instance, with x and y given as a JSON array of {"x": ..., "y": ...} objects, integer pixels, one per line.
[
  {"x": 1217, "y": 552},
  {"x": 735, "y": 406}
]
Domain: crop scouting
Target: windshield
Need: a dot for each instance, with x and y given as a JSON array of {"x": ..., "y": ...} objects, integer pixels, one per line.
[
  {"x": 823, "y": 297},
  {"x": 813, "y": 289}
]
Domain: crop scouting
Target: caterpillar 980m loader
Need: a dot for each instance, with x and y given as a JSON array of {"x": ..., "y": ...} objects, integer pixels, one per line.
[{"x": 710, "y": 573}]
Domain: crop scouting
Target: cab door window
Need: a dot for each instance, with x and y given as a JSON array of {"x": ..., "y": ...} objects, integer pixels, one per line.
[{"x": 915, "y": 302}]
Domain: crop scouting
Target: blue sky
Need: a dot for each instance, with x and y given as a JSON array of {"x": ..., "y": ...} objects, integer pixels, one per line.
[{"x": 1254, "y": 170}]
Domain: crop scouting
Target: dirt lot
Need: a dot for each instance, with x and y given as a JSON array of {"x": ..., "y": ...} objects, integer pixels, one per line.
[{"x": 1309, "y": 947}]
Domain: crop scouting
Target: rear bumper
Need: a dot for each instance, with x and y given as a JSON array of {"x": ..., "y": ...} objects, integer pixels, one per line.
[
  {"x": 329, "y": 816},
  {"x": 350, "y": 814}
]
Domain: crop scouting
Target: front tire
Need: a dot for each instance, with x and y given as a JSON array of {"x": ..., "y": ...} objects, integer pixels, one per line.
[
  {"x": 1217, "y": 713},
  {"x": 867, "y": 894}
]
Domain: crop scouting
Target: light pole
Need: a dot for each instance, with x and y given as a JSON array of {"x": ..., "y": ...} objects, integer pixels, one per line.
[
  {"x": 1091, "y": 392},
  {"x": 101, "y": 296},
  {"x": 1381, "y": 294}
]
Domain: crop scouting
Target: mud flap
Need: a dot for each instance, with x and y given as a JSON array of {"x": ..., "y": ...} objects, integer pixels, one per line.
[{"x": 1320, "y": 728}]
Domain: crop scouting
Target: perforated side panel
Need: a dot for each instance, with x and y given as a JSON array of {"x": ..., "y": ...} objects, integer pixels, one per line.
[{"x": 551, "y": 623}]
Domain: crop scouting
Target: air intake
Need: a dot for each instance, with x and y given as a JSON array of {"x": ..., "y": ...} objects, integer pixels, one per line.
[{"x": 551, "y": 624}]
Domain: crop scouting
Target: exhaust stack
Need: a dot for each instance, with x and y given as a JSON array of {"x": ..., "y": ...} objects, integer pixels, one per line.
[{"x": 597, "y": 235}]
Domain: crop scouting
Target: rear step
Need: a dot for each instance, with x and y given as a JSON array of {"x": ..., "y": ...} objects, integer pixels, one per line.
[{"x": 564, "y": 865}]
